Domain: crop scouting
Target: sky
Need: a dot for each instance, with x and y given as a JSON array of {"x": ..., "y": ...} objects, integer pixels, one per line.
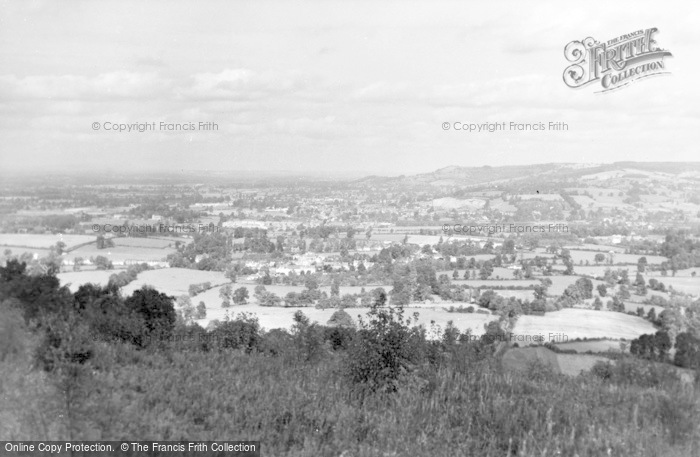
[{"x": 357, "y": 87}]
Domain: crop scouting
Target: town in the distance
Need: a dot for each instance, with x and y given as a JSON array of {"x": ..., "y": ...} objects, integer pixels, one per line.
[
  {"x": 472, "y": 248},
  {"x": 533, "y": 310}
]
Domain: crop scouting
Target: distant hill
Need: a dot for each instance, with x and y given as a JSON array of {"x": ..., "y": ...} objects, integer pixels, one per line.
[{"x": 456, "y": 176}]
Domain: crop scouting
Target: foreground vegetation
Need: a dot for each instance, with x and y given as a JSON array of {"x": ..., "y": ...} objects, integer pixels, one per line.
[{"x": 95, "y": 365}]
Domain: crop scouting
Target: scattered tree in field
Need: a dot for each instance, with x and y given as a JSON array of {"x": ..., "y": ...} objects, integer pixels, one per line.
[
  {"x": 226, "y": 295},
  {"x": 585, "y": 285},
  {"x": 201, "y": 312},
  {"x": 602, "y": 290},
  {"x": 652, "y": 347},
  {"x": 486, "y": 270},
  {"x": 195, "y": 289},
  {"x": 341, "y": 318},
  {"x": 184, "y": 306},
  {"x": 240, "y": 296},
  {"x": 597, "y": 304},
  {"x": 335, "y": 288},
  {"x": 651, "y": 315},
  {"x": 102, "y": 263},
  {"x": 641, "y": 264}
]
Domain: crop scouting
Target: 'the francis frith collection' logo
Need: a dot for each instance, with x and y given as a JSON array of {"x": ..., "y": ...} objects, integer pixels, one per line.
[{"x": 615, "y": 63}]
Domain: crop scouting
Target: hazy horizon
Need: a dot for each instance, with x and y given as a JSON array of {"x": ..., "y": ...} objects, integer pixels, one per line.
[{"x": 115, "y": 176}]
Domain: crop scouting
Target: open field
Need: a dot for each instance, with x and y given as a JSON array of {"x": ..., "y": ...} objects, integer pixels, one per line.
[
  {"x": 174, "y": 281},
  {"x": 485, "y": 283},
  {"x": 575, "y": 364},
  {"x": 593, "y": 346},
  {"x": 687, "y": 273},
  {"x": 685, "y": 284},
  {"x": 120, "y": 254},
  {"x": 526, "y": 294},
  {"x": 596, "y": 247},
  {"x": 560, "y": 283},
  {"x": 42, "y": 241},
  {"x": 596, "y": 271},
  {"x": 632, "y": 306},
  {"x": 150, "y": 243},
  {"x": 395, "y": 237},
  {"x": 478, "y": 257},
  {"x": 17, "y": 251},
  {"x": 568, "y": 324},
  {"x": 274, "y": 317},
  {"x": 78, "y": 278},
  {"x": 423, "y": 239},
  {"x": 498, "y": 273},
  {"x": 520, "y": 359},
  {"x": 532, "y": 255},
  {"x": 631, "y": 259}
]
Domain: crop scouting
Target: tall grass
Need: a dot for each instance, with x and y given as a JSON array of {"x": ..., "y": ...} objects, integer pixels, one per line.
[
  {"x": 454, "y": 398},
  {"x": 304, "y": 409}
]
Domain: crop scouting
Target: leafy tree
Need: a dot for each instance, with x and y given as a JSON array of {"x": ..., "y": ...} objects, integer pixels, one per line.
[
  {"x": 259, "y": 291},
  {"x": 308, "y": 338},
  {"x": 186, "y": 309},
  {"x": 687, "y": 351},
  {"x": 157, "y": 311},
  {"x": 241, "y": 333},
  {"x": 585, "y": 285},
  {"x": 335, "y": 287},
  {"x": 597, "y": 304},
  {"x": 652, "y": 347},
  {"x": 385, "y": 349},
  {"x": 602, "y": 290},
  {"x": 341, "y": 318},
  {"x": 641, "y": 264},
  {"x": 651, "y": 315},
  {"x": 201, "y": 312},
  {"x": 102, "y": 263},
  {"x": 78, "y": 262},
  {"x": 486, "y": 270},
  {"x": 569, "y": 267},
  {"x": 240, "y": 296},
  {"x": 270, "y": 299},
  {"x": 540, "y": 291}
]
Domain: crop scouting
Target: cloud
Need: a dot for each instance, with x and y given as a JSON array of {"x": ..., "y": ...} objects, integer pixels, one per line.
[
  {"x": 241, "y": 84},
  {"x": 103, "y": 87}
]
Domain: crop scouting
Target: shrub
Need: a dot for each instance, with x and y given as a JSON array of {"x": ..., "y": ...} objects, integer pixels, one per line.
[
  {"x": 308, "y": 338},
  {"x": 338, "y": 337},
  {"x": 384, "y": 350},
  {"x": 241, "y": 333},
  {"x": 341, "y": 318},
  {"x": 276, "y": 342}
]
